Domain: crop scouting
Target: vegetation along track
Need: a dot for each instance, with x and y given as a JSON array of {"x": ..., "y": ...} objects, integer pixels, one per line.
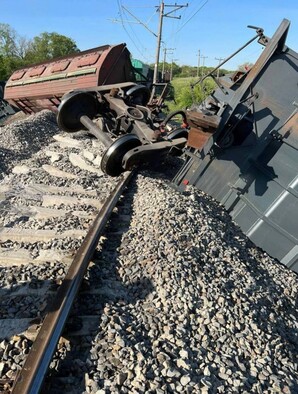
[{"x": 176, "y": 298}]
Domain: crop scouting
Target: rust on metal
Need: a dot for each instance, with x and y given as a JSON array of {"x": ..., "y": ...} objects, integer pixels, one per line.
[
  {"x": 202, "y": 127},
  {"x": 197, "y": 137},
  {"x": 41, "y": 86},
  {"x": 31, "y": 377},
  {"x": 206, "y": 122}
]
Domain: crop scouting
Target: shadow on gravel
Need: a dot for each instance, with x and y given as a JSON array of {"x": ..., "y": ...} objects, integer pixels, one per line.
[
  {"x": 22, "y": 309},
  {"x": 79, "y": 359},
  {"x": 7, "y": 156},
  {"x": 21, "y": 140},
  {"x": 22, "y": 304},
  {"x": 260, "y": 287}
]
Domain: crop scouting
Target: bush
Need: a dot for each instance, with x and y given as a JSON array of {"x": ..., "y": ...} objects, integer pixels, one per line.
[{"x": 185, "y": 96}]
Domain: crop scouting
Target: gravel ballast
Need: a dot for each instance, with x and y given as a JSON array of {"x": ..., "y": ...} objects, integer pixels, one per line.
[
  {"x": 193, "y": 306},
  {"x": 21, "y": 138},
  {"x": 201, "y": 309}
]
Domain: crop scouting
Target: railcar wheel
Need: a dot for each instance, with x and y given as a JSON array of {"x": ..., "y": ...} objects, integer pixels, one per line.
[
  {"x": 178, "y": 133},
  {"x": 139, "y": 94},
  {"x": 111, "y": 163},
  {"x": 72, "y": 107},
  {"x": 173, "y": 114},
  {"x": 227, "y": 141}
]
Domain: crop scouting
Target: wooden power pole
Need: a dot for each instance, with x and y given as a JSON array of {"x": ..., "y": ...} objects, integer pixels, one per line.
[{"x": 162, "y": 15}]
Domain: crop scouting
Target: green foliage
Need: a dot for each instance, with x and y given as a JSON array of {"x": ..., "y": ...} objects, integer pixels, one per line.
[
  {"x": 8, "y": 65},
  {"x": 8, "y": 41},
  {"x": 49, "y": 46},
  {"x": 17, "y": 52},
  {"x": 185, "y": 71},
  {"x": 185, "y": 96}
]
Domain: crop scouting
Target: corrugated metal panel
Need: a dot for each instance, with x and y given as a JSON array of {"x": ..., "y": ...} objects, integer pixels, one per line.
[{"x": 256, "y": 177}]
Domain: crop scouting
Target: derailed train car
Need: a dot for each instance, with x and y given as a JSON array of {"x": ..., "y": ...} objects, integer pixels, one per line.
[
  {"x": 241, "y": 147},
  {"x": 5, "y": 109},
  {"x": 249, "y": 162},
  {"x": 96, "y": 90},
  {"x": 41, "y": 86}
]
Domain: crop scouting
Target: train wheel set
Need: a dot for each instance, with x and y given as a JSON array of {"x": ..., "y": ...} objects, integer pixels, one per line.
[{"x": 118, "y": 116}]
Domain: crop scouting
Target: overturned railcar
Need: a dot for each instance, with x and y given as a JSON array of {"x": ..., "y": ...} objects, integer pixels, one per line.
[
  {"x": 41, "y": 86},
  {"x": 249, "y": 161},
  {"x": 5, "y": 108}
]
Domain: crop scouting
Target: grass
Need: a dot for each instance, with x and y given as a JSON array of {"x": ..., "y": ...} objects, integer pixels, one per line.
[{"x": 184, "y": 96}]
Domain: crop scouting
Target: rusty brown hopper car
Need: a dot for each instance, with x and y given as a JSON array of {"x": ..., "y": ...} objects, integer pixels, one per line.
[{"x": 41, "y": 86}]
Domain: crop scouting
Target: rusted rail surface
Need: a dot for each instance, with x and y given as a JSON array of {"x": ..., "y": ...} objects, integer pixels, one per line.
[{"x": 31, "y": 377}]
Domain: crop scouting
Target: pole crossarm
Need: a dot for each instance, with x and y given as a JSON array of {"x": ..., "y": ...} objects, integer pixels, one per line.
[
  {"x": 177, "y": 7},
  {"x": 162, "y": 15},
  {"x": 160, "y": 9},
  {"x": 139, "y": 21}
]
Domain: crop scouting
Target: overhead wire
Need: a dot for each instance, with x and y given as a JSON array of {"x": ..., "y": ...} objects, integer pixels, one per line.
[
  {"x": 199, "y": 9},
  {"x": 141, "y": 48},
  {"x": 185, "y": 11},
  {"x": 142, "y": 53},
  {"x": 123, "y": 25},
  {"x": 173, "y": 36}
]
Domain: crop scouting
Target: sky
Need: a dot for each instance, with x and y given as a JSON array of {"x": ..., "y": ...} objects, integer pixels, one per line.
[{"x": 213, "y": 29}]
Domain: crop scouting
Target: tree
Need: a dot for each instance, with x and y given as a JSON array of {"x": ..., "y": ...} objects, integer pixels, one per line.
[
  {"x": 8, "y": 65},
  {"x": 17, "y": 51},
  {"x": 10, "y": 53},
  {"x": 49, "y": 46},
  {"x": 175, "y": 69},
  {"x": 8, "y": 41}
]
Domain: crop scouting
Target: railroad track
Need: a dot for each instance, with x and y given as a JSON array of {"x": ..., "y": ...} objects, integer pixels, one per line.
[
  {"x": 32, "y": 375},
  {"x": 176, "y": 298},
  {"x": 47, "y": 206}
]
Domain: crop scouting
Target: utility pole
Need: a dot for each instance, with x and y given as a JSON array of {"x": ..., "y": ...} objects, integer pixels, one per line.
[
  {"x": 220, "y": 59},
  {"x": 203, "y": 64},
  {"x": 164, "y": 60},
  {"x": 159, "y": 35},
  {"x": 162, "y": 15},
  {"x": 199, "y": 57},
  {"x": 171, "y": 73}
]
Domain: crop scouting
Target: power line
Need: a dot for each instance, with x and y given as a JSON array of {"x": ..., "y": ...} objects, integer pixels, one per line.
[
  {"x": 139, "y": 21},
  {"x": 170, "y": 37},
  {"x": 192, "y": 16},
  {"x": 162, "y": 14},
  {"x": 141, "y": 48},
  {"x": 129, "y": 35}
]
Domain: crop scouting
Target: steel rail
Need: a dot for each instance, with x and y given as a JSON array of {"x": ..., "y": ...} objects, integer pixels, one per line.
[{"x": 31, "y": 376}]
